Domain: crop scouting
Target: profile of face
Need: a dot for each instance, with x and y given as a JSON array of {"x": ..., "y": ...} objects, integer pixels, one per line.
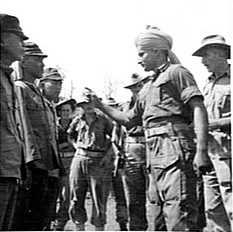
[
  {"x": 34, "y": 65},
  {"x": 212, "y": 59},
  {"x": 66, "y": 111},
  {"x": 52, "y": 89},
  {"x": 148, "y": 58},
  {"x": 12, "y": 46}
]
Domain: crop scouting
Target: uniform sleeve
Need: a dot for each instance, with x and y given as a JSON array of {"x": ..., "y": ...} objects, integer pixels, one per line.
[{"x": 185, "y": 84}]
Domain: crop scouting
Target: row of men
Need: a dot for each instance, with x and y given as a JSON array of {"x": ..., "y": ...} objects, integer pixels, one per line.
[
  {"x": 162, "y": 111},
  {"x": 30, "y": 161}
]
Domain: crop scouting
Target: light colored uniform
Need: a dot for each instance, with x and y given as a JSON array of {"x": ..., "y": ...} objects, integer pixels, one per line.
[{"x": 218, "y": 184}]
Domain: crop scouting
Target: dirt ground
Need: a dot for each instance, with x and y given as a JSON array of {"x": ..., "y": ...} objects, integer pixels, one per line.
[{"x": 111, "y": 222}]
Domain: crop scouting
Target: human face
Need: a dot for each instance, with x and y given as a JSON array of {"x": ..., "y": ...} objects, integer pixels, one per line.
[
  {"x": 136, "y": 88},
  {"x": 12, "y": 46},
  {"x": 52, "y": 89},
  {"x": 88, "y": 107},
  {"x": 148, "y": 58},
  {"x": 212, "y": 60},
  {"x": 34, "y": 65},
  {"x": 66, "y": 111}
]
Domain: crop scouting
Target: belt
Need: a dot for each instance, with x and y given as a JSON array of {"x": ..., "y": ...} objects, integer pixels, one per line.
[
  {"x": 169, "y": 129},
  {"x": 88, "y": 153},
  {"x": 67, "y": 154},
  {"x": 135, "y": 139}
]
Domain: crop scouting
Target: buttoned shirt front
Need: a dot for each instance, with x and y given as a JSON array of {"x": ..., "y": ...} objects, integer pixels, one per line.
[
  {"x": 11, "y": 143},
  {"x": 166, "y": 95},
  {"x": 217, "y": 94},
  {"x": 36, "y": 125},
  {"x": 52, "y": 118},
  {"x": 94, "y": 136}
]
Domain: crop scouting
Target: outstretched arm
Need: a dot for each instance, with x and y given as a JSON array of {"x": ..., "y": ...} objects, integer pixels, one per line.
[{"x": 117, "y": 115}]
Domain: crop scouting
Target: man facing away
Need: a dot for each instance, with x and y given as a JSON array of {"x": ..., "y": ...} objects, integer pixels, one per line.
[
  {"x": 167, "y": 104},
  {"x": 217, "y": 92},
  {"x": 11, "y": 152}
]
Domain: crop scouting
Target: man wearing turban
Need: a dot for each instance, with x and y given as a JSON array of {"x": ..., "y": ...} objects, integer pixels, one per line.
[{"x": 168, "y": 104}]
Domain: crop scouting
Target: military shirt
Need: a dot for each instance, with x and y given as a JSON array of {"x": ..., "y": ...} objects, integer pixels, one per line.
[
  {"x": 11, "y": 143},
  {"x": 92, "y": 137},
  {"x": 217, "y": 94},
  {"x": 166, "y": 95},
  {"x": 52, "y": 119},
  {"x": 36, "y": 125}
]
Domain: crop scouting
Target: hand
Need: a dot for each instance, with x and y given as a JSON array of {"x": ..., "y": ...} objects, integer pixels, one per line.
[
  {"x": 202, "y": 163},
  {"x": 94, "y": 98}
]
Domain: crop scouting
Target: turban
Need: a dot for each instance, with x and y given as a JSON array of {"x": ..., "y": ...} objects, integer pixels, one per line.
[{"x": 153, "y": 38}]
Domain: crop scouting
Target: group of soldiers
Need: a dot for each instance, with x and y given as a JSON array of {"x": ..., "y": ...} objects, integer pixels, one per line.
[{"x": 170, "y": 142}]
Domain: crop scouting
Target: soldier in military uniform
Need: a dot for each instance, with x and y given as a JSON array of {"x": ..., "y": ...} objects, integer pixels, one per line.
[
  {"x": 11, "y": 152},
  {"x": 38, "y": 152},
  {"x": 135, "y": 162},
  {"x": 91, "y": 166},
  {"x": 217, "y": 93},
  {"x": 165, "y": 105},
  {"x": 51, "y": 85}
]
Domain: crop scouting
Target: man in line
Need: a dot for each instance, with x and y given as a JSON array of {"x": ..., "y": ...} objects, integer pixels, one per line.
[
  {"x": 118, "y": 172},
  {"x": 38, "y": 152},
  {"x": 135, "y": 162},
  {"x": 91, "y": 166},
  {"x": 51, "y": 85},
  {"x": 217, "y": 92},
  {"x": 165, "y": 105},
  {"x": 65, "y": 110},
  {"x": 11, "y": 152}
]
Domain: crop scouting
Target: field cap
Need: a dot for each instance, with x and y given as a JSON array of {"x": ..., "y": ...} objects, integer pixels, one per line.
[
  {"x": 111, "y": 101},
  {"x": 32, "y": 49},
  {"x": 51, "y": 74},
  {"x": 217, "y": 41},
  {"x": 134, "y": 79},
  {"x": 9, "y": 23}
]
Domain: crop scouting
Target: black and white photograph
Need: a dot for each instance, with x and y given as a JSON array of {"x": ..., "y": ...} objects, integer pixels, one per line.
[{"x": 116, "y": 115}]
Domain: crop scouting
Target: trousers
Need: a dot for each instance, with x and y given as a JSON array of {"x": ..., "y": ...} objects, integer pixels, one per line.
[
  {"x": 218, "y": 183},
  {"x": 86, "y": 172},
  {"x": 8, "y": 197},
  {"x": 135, "y": 177},
  {"x": 171, "y": 153}
]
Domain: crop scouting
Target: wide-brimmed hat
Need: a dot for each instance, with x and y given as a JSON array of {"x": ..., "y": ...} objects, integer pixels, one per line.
[
  {"x": 32, "y": 49},
  {"x": 134, "y": 79},
  {"x": 111, "y": 101},
  {"x": 217, "y": 41},
  {"x": 70, "y": 101}
]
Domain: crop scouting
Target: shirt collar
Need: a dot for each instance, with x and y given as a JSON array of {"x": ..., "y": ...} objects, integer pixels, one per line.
[
  {"x": 226, "y": 74},
  {"x": 8, "y": 70},
  {"x": 160, "y": 69}
]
